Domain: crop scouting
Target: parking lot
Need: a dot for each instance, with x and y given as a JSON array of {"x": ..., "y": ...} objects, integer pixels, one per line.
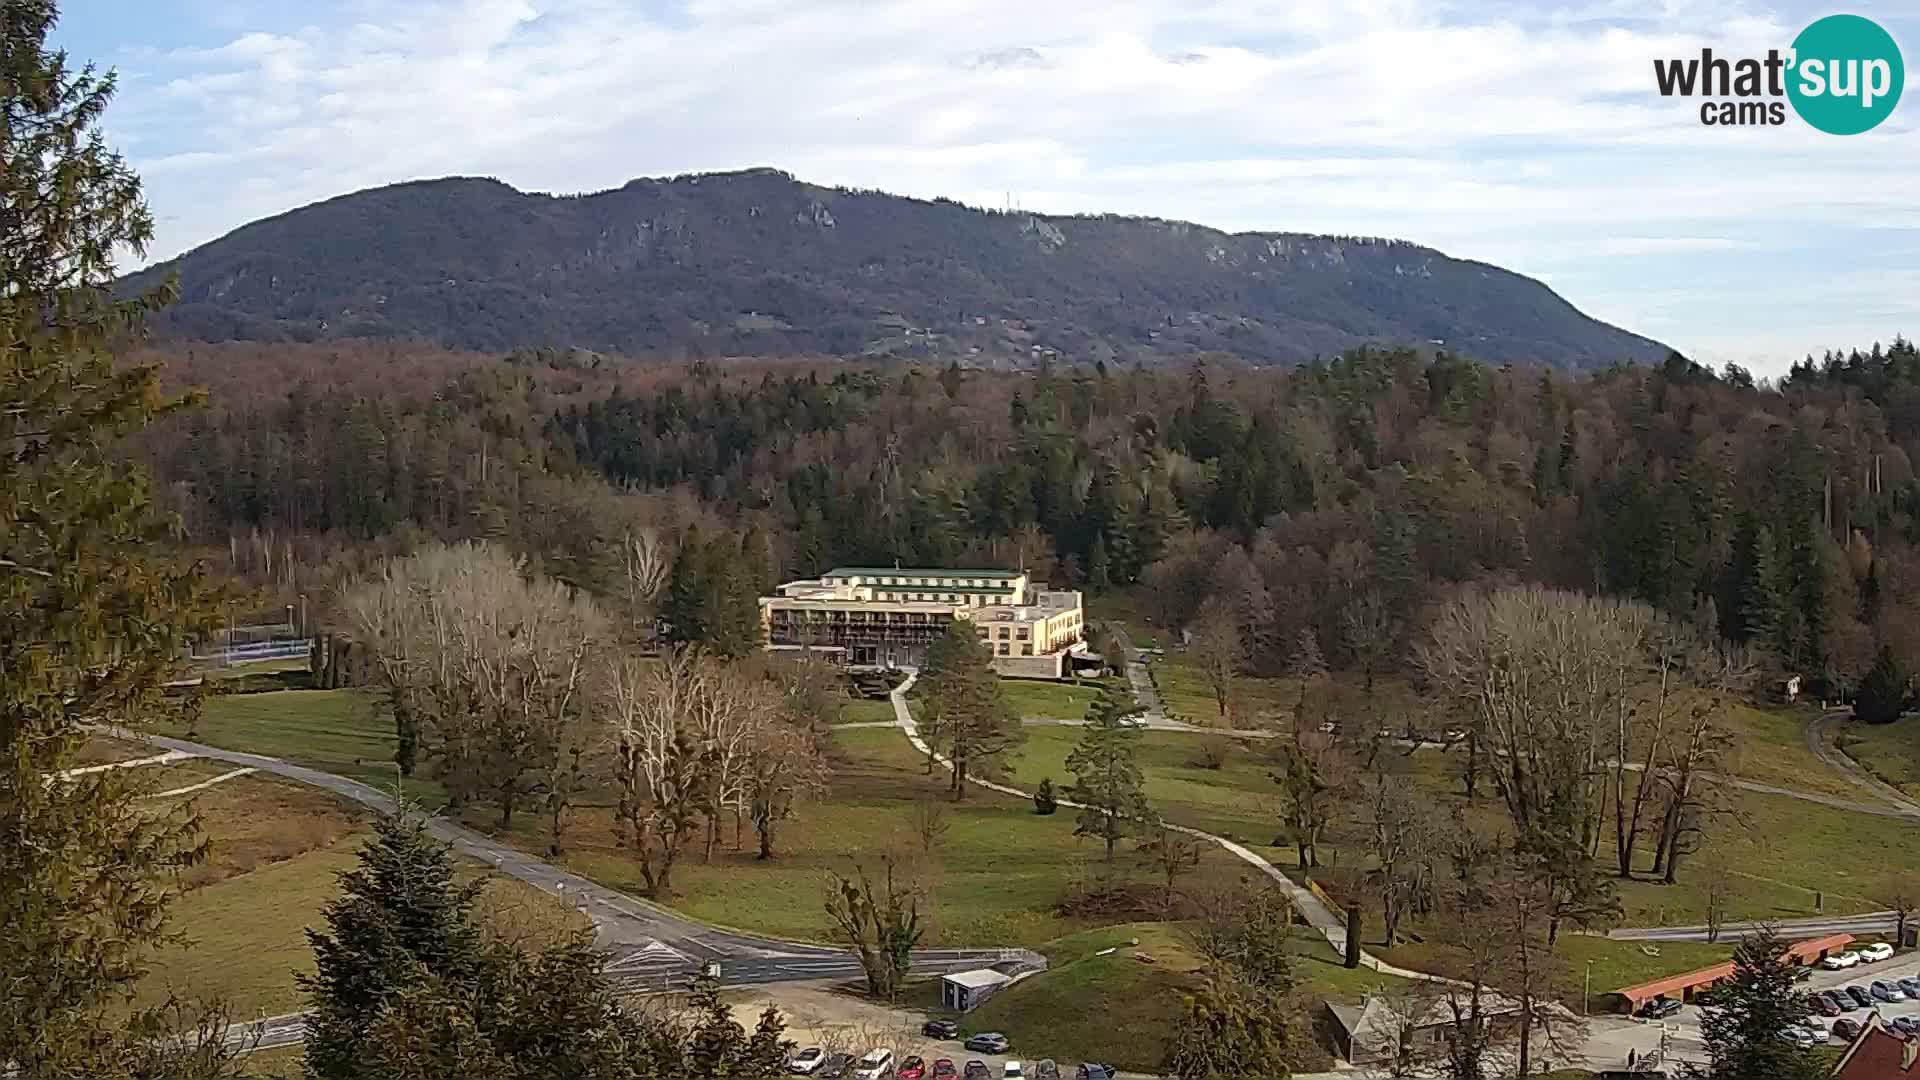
[{"x": 1685, "y": 1027}]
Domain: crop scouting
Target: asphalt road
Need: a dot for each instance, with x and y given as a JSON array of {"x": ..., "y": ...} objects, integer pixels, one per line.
[{"x": 651, "y": 949}]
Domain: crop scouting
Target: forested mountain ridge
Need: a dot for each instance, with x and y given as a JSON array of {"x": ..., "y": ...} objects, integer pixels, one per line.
[
  {"x": 1786, "y": 517},
  {"x": 758, "y": 263}
]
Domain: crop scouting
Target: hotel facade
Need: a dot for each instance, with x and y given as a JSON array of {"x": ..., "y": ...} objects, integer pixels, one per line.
[{"x": 889, "y": 616}]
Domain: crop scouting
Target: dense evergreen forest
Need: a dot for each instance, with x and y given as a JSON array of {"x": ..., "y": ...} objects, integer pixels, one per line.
[{"x": 1365, "y": 488}]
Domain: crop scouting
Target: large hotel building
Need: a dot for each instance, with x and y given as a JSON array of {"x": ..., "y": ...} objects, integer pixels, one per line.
[{"x": 875, "y": 615}]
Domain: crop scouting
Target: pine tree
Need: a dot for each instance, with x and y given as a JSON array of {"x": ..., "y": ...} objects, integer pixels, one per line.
[
  {"x": 1099, "y": 577},
  {"x": 1742, "y": 1028},
  {"x": 400, "y": 925},
  {"x": 1883, "y": 693},
  {"x": 1762, "y": 611},
  {"x": 92, "y": 620},
  {"x": 967, "y": 713},
  {"x": 1107, "y": 782}
]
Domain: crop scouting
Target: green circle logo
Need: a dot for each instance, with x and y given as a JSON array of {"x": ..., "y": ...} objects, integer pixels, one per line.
[{"x": 1847, "y": 75}]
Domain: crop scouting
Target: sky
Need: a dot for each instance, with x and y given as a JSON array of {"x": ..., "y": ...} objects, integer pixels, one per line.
[{"x": 1526, "y": 133}]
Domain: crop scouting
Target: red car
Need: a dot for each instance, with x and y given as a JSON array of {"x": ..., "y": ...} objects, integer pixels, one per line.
[
  {"x": 1823, "y": 1005},
  {"x": 911, "y": 1069},
  {"x": 944, "y": 1070}
]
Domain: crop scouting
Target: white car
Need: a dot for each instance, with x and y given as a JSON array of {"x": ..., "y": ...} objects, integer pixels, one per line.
[
  {"x": 877, "y": 1065},
  {"x": 1840, "y": 961},
  {"x": 1876, "y": 952},
  {"x": 1011, "y": 1071},
  {"x": 807, "y": 1062}
]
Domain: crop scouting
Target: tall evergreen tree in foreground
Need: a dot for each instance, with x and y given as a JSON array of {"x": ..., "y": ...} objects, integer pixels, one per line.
[
  {"x": 1107, "y": 782},
  {"x": 1742, "y": 1028},
  {"x": 407, "y": 983},
  {"x": 92, "y": 622},
  {"x": 967, "y": 714}
]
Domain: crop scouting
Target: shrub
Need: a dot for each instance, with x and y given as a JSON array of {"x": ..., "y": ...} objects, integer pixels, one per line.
[{"x": 1044, "y": 800}]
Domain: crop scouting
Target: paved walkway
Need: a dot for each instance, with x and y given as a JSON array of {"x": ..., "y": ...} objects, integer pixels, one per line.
[
  {"x": 1843, "y": 763},
  {"x": 1323, "y": 919},
  {"x": 201, "y": 786}
]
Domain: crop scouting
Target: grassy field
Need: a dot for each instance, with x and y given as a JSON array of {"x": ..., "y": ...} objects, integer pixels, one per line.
[
  {"x": 1001, "y": 869},
  {"x": 1616, "y": 964},
  {"x": 1889, "y": 751},
  {"x": 1033, "y": 699},
  {"x": 1237, "y": 800},
  {"x": 996, "y": 874},
  {"x": 1120, "y": 1008},
  {"x": 348, "y": 732}
]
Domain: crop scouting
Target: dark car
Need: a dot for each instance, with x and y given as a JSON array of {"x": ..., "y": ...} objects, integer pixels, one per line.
[
  {"x": 1911, "y": 985},
  {"x": 1823, "y": 1004},
  {"x": 1844, "y": 1029},
  {"x": 912, "y": 1068},
  {"x": 987, "y": 1042},
  {"x": 940, "y": 1029},
  {"x": 1659, "y": 1008},
  {"x": 1837, "y": 1000},
  {"x": 944, "y": 1070},
  {"x": 1046, "y": 1070},
  {"x": 1861, "y": 998},
  {"x": 1905, "y": 1025},
  {"x": 837, "y": 1067},
  {"x": 1094, "y": 1071},
  {"x": 977, "y": 1070}
]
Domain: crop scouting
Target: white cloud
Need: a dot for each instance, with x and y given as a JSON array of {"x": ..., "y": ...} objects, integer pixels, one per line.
[{"x": 1523, "y": 133}]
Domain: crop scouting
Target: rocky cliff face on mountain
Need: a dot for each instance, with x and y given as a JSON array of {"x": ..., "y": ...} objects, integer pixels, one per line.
[{"x": 757, "y": 262}]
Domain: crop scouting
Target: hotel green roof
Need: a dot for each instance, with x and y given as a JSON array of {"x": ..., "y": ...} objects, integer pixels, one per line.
[{"x": 917, "y": 572}]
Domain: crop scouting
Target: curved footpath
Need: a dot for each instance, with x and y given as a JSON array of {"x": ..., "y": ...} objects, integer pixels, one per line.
[
  {"x": 1318, "y": 915},
  {"x": 650, "y": 947}
]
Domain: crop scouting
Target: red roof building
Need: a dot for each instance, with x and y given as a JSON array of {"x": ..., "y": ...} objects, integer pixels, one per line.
[
  {"x": 1879, "y": 1054},
  {"x": 1683, "y": 987}
]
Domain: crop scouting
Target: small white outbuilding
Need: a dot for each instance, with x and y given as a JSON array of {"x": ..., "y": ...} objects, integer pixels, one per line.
[{"x": 965, "y": 990}]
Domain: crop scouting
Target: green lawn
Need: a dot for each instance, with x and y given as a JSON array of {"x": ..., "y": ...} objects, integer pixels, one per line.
[
  {"x": 858, "y": 710},
  {"x": 1120, "y": 1008},
  {"x": 996, "y": 875},
  {"x": 1237, "y": 800},
  {"x": 348, "y": 732},
  {"x": 1616, "y": 964},
  {"x": 1890, "y": 751},
  {"x": 1770, "y": 747},
  {"x": 246, "y": 935},
  {"x": 1035, "y": 699}
]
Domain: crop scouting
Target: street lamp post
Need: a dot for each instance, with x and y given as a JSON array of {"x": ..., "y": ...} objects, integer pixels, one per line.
[{"x": 1586, "y": 996}]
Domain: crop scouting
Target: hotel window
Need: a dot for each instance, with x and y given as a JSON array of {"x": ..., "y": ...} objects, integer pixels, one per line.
[{"x": 1001, "y": 648}]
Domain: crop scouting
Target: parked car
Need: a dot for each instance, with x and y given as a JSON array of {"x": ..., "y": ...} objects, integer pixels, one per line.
[
  {"x": 877, "y": 1064},
  {"x": 1860, "y": 997},
  {"x": 1840, "y": 961},
  {"x": 1823, "y": 1005},
  {"x": 1905, "y": 1025},
  {"x": 1876, "y": 952},
  {"x": 940, "y": 1029},
  {"x": 1046, "y": 1070},
  {"x": 1011, "y": 1071},
  {"x": 836, "y": 1067},
  {"x": 1796, "y": 1035},
  {"x": 1882, "y": 990},
  {"x": 987, "y": 1042},
  {"x": 807, "y": 1062},
  {"x": 1659, "y": 1008},
  {"x": 977, "y": 1070},
  {"x": 912, "y": 1068},
  {"x": 943, "y": 1069},
  {"x": 1845, "y": 1030},
  {"x": 1911, "y": 984},
  {"x": 1837, "y": 1002},
  {"x": 1093, "y": 1071}
]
